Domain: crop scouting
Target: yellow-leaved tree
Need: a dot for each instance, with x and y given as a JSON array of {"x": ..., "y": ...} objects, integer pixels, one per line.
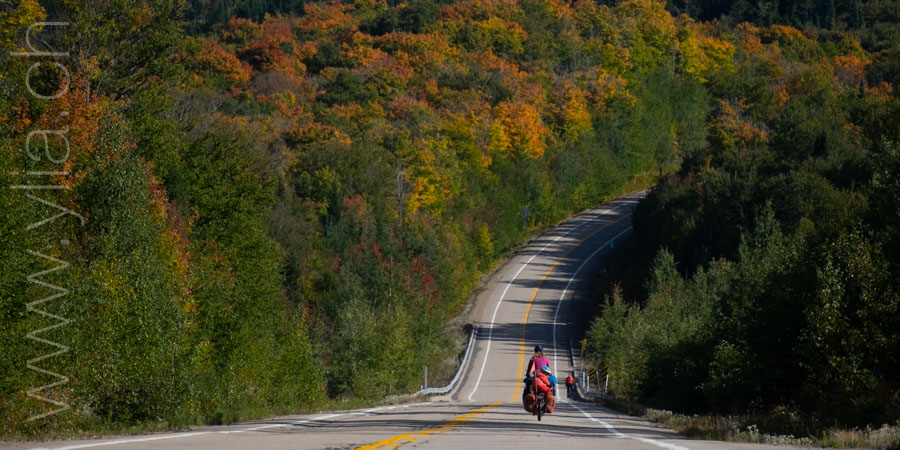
[
  {"x": 13, "y": 23},
  {"x": 522, "y": 125}
]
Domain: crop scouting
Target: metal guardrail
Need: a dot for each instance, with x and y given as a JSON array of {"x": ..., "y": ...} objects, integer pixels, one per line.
[{"x": 449, "y": 387}]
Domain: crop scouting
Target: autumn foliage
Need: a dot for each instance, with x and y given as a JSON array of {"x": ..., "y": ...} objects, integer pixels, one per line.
[{"x": 294, "y": 200}]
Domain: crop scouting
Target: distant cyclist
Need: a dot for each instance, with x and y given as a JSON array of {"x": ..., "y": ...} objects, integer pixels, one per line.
[{"x": 570, "y": 384}]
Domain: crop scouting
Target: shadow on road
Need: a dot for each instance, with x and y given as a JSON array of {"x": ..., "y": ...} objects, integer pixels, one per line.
[{"x": 507, "y": 418}]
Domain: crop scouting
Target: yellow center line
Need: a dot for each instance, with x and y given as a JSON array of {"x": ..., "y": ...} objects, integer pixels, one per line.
[
  {"x": 401, "y": 439},
  {"x": 519, "y": 374}
]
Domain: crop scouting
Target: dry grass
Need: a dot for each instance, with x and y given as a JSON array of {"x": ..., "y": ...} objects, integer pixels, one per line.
[
  {"x": 886, "y": 437},
  {"x": 745, "y": 429}
]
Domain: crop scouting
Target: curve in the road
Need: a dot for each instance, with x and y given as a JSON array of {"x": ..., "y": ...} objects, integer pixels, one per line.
[
  {"x": 569, "y": 283},
  {"x": 533, "y": 287},
  {"x": 525, "y": 318},
  {"x": 538, "y": 288}
]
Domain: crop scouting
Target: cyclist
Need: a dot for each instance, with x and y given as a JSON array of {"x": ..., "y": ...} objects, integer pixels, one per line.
[
  {"x": 570, "y": 384},
  {"x": 543, "y": 384},
  {"x": 551, "y": 378},
  {"x": 537, "y": 361}
]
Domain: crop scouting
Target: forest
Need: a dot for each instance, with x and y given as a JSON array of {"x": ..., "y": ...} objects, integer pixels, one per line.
[
  {"x": 260, "y": 204},
  {"x": 770, "y": 259}
]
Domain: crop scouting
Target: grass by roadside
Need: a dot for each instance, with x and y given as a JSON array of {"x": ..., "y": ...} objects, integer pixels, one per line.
[
  {"x": 753, "y": 429},
  {"x": 764, "y": 429}
]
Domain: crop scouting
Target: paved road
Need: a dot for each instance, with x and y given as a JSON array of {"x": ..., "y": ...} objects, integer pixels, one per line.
[{"x": 525, "y": 302}]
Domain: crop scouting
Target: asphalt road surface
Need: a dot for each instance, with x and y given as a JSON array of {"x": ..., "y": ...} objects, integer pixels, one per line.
[{"x": 526, "y": 302}]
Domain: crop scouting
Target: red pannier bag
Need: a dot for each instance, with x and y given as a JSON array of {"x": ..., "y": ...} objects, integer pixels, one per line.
[{"x": 528, "y": 402}]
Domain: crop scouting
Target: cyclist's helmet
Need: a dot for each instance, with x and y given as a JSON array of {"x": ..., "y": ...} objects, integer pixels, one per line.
[
  {"x": 538, "y": 348},
  {"x": 546, "y": 369}
]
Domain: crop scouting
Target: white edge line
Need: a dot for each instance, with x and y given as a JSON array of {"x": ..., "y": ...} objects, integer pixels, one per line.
[
  {"x": 198, "y": 433},
  {"x": 566, "y": 289},
  {"x": 127, "y": 441},
  {"x": 619, "y": 434}
]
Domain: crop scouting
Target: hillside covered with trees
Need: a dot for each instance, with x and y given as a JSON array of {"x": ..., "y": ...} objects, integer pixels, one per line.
[
  {"x": 773, "y": 254},
  {"x": 263, "y": 206},
  {"x": 283, "y": 212}
]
